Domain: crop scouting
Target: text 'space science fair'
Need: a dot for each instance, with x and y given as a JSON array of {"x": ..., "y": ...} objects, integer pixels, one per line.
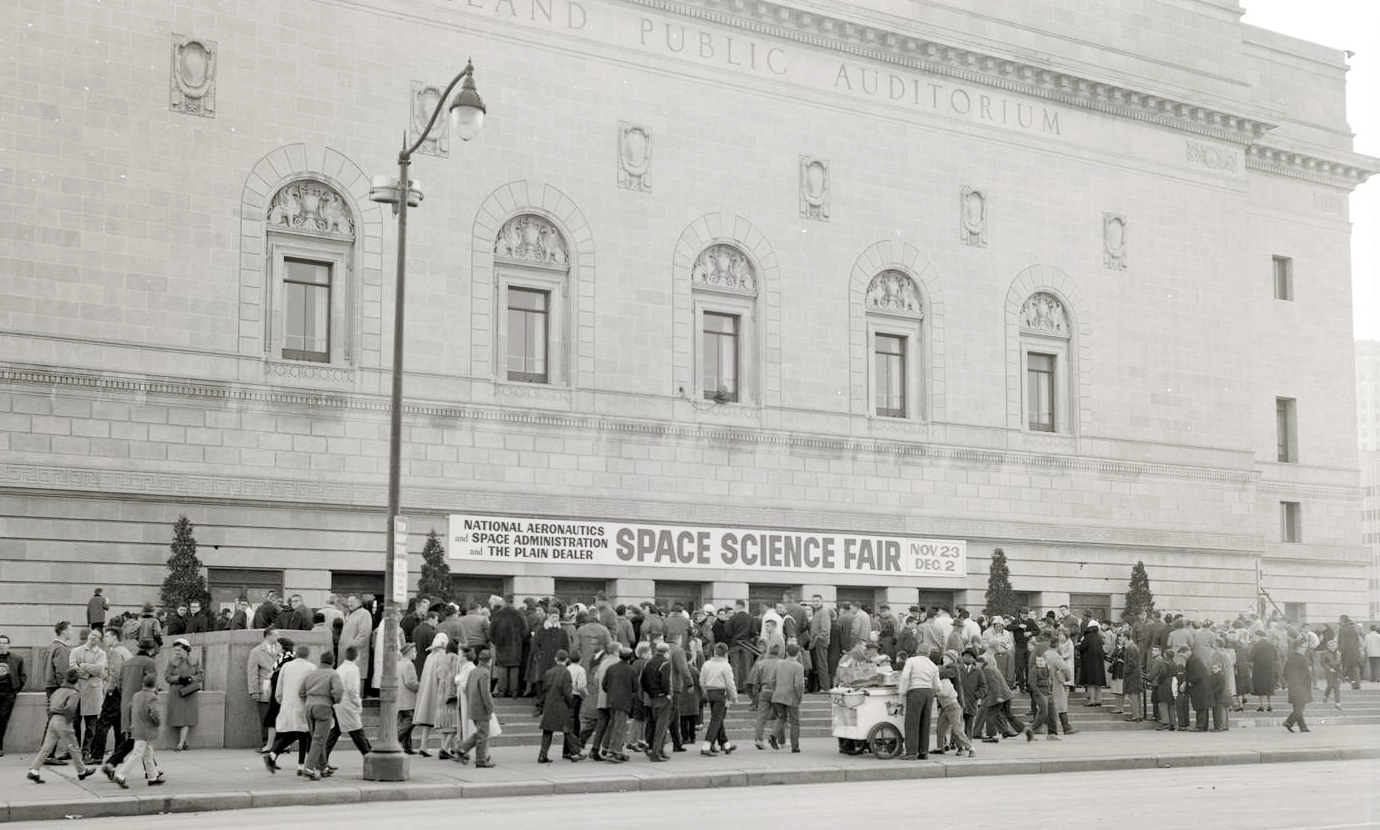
[{"x": 527, "y": 539}]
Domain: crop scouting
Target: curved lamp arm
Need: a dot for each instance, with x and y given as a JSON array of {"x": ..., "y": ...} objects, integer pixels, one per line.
[{"x": 466, "y": 74}]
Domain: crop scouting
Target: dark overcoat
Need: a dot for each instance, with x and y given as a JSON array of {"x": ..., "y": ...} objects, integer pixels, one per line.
[{"x": 557, "y": 699}]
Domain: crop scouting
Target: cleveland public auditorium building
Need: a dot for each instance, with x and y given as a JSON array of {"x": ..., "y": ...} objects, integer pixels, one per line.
[{"x": 727, "y": 296}]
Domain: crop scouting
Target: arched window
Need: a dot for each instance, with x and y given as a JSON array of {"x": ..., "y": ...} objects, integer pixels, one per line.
[
  {"x": 531, "y": 269},
  {"x": 724, "y": 286},
  {"x": 313, "y": 312},
  {"x": 894, "y": 312},
  {"x": 1045, "y": 332}
]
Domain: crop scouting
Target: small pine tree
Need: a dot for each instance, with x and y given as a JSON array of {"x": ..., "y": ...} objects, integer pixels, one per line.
[
  {"x": 184, "y": 581},
  {"x": 435, "y": 581},
  {"x": 1139, "y": 597},
  {"x": 1000, "y": 600}
]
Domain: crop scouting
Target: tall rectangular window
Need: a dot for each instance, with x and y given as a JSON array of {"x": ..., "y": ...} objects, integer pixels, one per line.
[
  {"x": 1290, "y": 522},
  {"x": 307, "y": 316},
  {"x": 1284, "y": 277},
  {"x": 1286, "y": 429},
  {"x": 720, "y": 371},
  {"x": 528, "y": 325},
  {"x": 1039, "y": 391},
  {"x": 889, "y": 367}
]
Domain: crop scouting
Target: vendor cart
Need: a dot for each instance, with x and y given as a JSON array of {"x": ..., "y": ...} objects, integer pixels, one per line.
[{"x": 869, "y": 720}]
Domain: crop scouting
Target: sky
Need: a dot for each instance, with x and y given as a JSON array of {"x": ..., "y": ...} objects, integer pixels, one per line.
[{"x": 1353, "y": 25}]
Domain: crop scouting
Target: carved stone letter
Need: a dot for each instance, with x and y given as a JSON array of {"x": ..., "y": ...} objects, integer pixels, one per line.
[
  {"x": 894, "y": 292},
  {"x": 1114, "y": 241},
  {"x": 634, "y": 156},
  {"x": 972, "y": 217},
  {"x": 814, "y": 189},
  {"x": 193, "y": 76},
  {"x": 425, "y": 99}
]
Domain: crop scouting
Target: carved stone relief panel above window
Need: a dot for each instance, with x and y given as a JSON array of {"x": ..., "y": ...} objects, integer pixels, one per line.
[
  {"x": 1114, "y": 241},
  {"x": 532, "y": 240},
  {"x": 972, "y": 217},
  {"x": 894, "y": 292},
  {"x": 814, "y": 188},
  {"x": 193, "y": 89},
  {"x": 726, "y": 268},
  {"x": 426, "y": 98},
  {"x": 312, "y": 207},
  {"x": 1043, "y": 313},
  {"x": 634, "y": 156}
]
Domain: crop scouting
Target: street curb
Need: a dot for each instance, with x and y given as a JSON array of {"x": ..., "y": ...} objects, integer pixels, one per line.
[{"x": 115, "y": 806}]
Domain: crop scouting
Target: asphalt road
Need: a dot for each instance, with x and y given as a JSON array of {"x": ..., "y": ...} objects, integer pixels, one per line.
[{"x": 1342, "y": 795}]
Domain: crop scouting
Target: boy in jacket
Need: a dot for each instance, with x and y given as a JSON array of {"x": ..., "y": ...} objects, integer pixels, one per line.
[
  {"x": 144, "y": 720},
  {"x": 62, "y": 710}
]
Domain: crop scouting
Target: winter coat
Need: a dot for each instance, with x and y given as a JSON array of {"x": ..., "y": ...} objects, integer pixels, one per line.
[
  {"x": 358, "y": 626},
  {"x": 1298, "y": 676},
  {"x": 90, "y": 664},
  {"x": 557, "y": 699},
  {"x": 479, "y": 701},
  {"x": 1132, "y": 681},
  {"x": 349, "y": 712},
  {"x": 620, "y": 685},
  {"x": 144, "y": 715},
  {"x": 182, "y": 672},
  {"x": 1062, "y": 673},
  {"x": 971, "y": 686},
  {"x": 507, "y": 630},
  {"x": 131, "y": 683},
  {"x": 1196, "y": 675},
  {"x": 435, "y": 685},
  {"x": 292, "y": 710},
  {"x": 1263, "y": 662},
  {"x": 545, "y": 643},
  {"x": 1092, "y": 655}
]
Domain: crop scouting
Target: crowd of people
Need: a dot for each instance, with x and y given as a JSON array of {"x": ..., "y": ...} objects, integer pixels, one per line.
[{"x": 618, "y": 680}]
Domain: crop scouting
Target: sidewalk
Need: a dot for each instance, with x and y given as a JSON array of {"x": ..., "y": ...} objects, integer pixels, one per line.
[{"x": 223, "y": 779}]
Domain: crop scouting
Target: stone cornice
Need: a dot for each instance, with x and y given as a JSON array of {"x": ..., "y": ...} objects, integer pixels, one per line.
[
  {"x": 925, "y": 55},
  {"x": 1348, "y": 173},
  {"x": 629, "y": 428}
]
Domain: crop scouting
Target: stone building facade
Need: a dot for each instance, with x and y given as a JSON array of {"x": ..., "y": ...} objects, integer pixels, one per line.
[{"x": 902, "y": 272}]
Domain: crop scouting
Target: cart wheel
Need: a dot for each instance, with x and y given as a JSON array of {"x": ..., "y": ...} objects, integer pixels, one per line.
[{"x": 885, "y": 741}]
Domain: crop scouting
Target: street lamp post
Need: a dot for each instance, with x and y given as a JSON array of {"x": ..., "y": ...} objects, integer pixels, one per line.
[{"x": 386, "y": 761}]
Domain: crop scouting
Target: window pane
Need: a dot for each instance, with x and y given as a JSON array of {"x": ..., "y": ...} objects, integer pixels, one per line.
[
  {"x": 1039, "y": 393},
  {"x": 1285, "y": 430},
  {"x": 720, "y": 379},
  {"x": 307, "y": 310},
  {"x": 1284, "y": 277},
  {"x": 527, "y": 335},
  {"x": 890, "y": 372}
]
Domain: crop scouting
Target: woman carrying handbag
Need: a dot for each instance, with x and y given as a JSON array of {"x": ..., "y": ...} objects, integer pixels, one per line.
[{"x": 184, "y": 677}]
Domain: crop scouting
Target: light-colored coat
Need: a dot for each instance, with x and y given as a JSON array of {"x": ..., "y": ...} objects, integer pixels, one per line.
[
  {"x": 358, "y": 626},
  {"x": 349, "y": 712},
  {"x": 91, "y": 664},
  {"x": 258, "y": 670},
  {"x": 292, "y": 712}
]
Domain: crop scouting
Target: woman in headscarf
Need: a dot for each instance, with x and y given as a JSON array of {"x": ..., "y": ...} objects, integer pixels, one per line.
[{"x": 429, "y": 693}]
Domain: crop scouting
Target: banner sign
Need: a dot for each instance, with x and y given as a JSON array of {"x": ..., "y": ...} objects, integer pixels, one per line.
[{"x": 526, "y": 539}]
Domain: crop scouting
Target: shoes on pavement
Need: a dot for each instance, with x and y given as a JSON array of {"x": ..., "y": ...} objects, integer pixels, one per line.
[
  {"x": 1052, "y": 737},
  {"x": 109, "y": 770},
  {"x": 939, "y": 752},
  {"x": 1071, "y": 731},
  {"x": 991, "y": 740},
  {"x": 760, "y": 745},
  {"x": 543, "y": 760},
  {"x": 54, "y": 762},
  {"x": 268, "y": 762},
  {"x": 775, "y": 744},
  {"x": 971, "y": 754},
  {"x": 124, "y": 785},
  {"x": 462, "y": 758},
  {"x": 86, "y": 773},
  {"x": 158, "y": 782},
  {"x": 33, "y": 776},
  {"x": 679, "y": 749},
  {"x": 795, "y": 749},
  {"x": 1289, "y": 726},
  {"x": 312, "y": 774},
  {"x": 1304, "y": 729},
  {"x": 484, "y": 764},
  {"x": 444, "y": 755},
  {"x": 709, "y": 753},
  {"x": 909, "y": 757},
  {"x": 728, "y": 750},
  {"x": 1029, "y": 734},
  {"x": 576, "y": 758}
]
